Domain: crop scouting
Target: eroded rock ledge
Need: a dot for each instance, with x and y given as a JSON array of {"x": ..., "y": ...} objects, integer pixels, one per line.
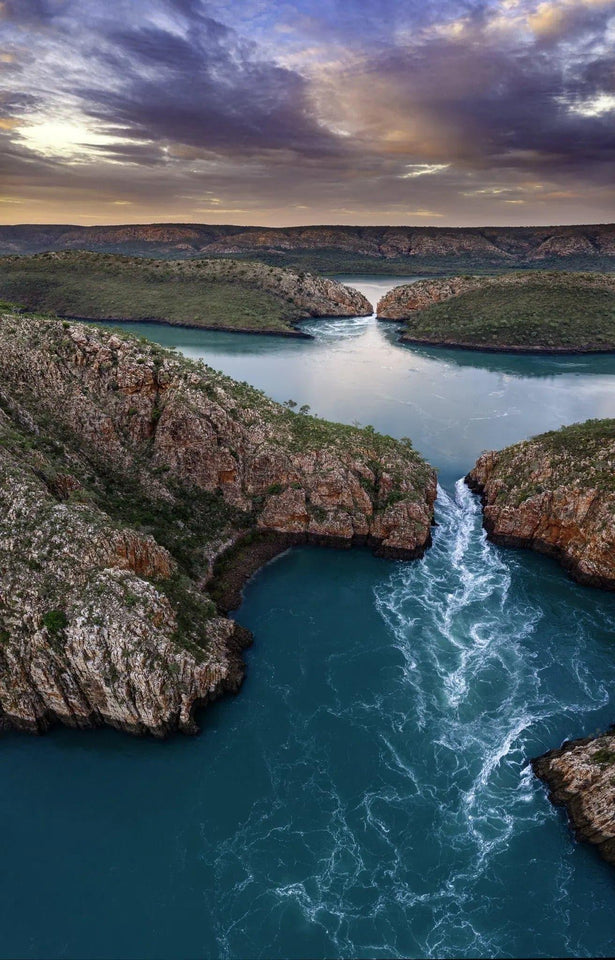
[
  {"x": 137, "y": 491},
  {"x": 555, "y": 494},
  {"x": 402, "y": 301},
  {"x": 581, "y": 777}
]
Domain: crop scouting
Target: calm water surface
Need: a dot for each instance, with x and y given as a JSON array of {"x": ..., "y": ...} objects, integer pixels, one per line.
[{"x": 367, "y": 793}]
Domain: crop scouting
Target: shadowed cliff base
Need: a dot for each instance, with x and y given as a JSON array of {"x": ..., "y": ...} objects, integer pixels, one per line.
[
  {"x": 130, "y": 476},
  {"x": 236, "y": 566}
]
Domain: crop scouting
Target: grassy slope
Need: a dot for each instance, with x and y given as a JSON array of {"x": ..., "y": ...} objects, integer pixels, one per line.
[
  {"x": 102, "y": 288},
  {"x": 564, "y": 312},
  {"x": 580, "y": 455}
]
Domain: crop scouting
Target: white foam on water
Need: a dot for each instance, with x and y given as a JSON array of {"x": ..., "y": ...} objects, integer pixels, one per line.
[
  {"x": 452, "y": 729},
  {"x": 474, "y": 690}
]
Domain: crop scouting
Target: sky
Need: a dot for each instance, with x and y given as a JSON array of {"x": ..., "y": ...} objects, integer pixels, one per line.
[{"x": 265, "y": 112}]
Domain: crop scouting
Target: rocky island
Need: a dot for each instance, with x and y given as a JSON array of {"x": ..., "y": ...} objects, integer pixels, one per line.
[
  {"x": 216, "y": 294},
  {"x": 530, "y": 312},
  {"x": 138, "y": 490},
  {"x": 556, "y": 494}
]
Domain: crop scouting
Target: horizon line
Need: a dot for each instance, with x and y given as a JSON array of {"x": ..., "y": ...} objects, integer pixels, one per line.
[{"x": 301, "y": 226}]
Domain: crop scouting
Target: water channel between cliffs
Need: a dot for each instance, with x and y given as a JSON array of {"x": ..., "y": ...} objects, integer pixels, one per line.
[{"x": 367, "y": 793}]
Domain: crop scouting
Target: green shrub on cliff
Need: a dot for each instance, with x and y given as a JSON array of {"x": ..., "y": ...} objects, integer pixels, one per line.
[{"x": 55, "y": 621}]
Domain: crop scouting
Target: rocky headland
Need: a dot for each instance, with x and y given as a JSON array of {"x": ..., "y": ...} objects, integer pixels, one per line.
[
  {"x": 137, "y": 491},
  {"x": 555, "y": 494},
  {"x": 403, "y": 301},
  {"x": 580, "y": 776},
  {"x": 529, "y": 312},
  {"x": 216, "y": 294}
]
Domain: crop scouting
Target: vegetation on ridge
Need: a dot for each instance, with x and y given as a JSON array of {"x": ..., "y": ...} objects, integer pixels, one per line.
[
  {"x": 533, "y": 311},
  {"x": 126, "y": 472},
  {"x": 213, "y": 294}
]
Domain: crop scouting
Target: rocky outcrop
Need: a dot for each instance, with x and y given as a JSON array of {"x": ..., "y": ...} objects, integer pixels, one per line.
[
  {"x": 527, "y": 311},
  {"x": 555, "y": 494},
  {"x": 581, "y": 777},
  {"x": 400, "y": 302},
  {"x": 403, "y": 301},
  {"x": 137, "y": 490}
]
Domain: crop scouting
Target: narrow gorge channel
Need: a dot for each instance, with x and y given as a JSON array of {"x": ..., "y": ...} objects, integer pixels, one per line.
[{"x": 368, "y": 792}]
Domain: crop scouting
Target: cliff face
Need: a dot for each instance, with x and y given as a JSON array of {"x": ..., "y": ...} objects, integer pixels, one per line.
[
  {"x": 501, "y": 245},
  {"x": 581, "y": 777},
  {"x": 129, "y": 479},
  {"x": 400, "y": 302},
  {"x": 555, "y": 494}
]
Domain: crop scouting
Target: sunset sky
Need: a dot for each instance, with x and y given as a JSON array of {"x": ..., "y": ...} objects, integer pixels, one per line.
[{"x": 457, "y": 112}]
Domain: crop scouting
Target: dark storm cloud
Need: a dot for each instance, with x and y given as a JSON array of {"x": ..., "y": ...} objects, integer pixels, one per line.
[
  {"x": 397, "y": 106},
  {"x": 475, "y": 98},
  {"x": 205, "y": 89}
]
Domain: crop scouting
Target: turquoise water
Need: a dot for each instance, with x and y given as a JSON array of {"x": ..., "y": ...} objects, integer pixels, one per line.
[{"x": 367, "y": 793}]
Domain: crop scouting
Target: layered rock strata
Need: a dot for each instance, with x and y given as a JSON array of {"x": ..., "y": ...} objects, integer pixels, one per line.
[
  {"x": 580, "y": 776},
  {"x": 555, "y": 494},
  {"x": 402, "y": 301},
  {"x": 502, "y": 245},
  {"x": 136, "y": 487}
]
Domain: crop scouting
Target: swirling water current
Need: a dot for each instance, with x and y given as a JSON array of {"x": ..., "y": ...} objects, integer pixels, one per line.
[{"x": 367, "y": 793}]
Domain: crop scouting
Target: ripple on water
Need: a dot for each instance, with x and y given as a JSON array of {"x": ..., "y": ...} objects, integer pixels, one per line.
[{"x": 405, "y": 819}]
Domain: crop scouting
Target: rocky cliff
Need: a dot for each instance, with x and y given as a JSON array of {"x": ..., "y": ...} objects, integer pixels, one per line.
[
  {"x": 213, "y": 294},
  {"x": 581, "y": 777},
  {"x": 555, "y": 494},
  {"x": 136, "y": 487},
  {"x": 402, "y": 301},
  {"x": 498, "y": 245}
]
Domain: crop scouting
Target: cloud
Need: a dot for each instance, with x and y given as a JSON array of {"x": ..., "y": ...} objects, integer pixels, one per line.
[
  {"x": 423, "y": 169},
  {"x": 466, "y": 98},
  {"x": 206, "y": 89},
  {"x": 321, "y": 108},
  {"x": 596, "y": 106}
]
